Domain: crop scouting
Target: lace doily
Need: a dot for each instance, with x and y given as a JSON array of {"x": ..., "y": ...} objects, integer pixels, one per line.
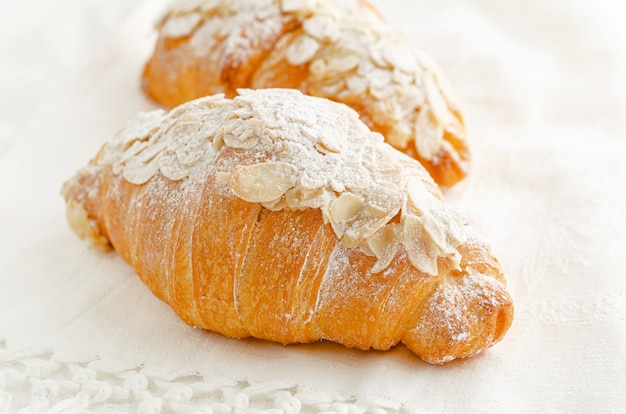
[{"x": 39, "y": 380}]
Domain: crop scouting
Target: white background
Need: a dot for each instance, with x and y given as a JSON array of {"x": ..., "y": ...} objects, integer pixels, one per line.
[
  {"x": 543, "y": 85},
  {"x": 44, "y": 45}
]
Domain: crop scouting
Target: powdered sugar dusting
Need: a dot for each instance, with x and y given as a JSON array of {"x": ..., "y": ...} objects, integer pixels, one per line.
[{"x": 297, "y": 152}]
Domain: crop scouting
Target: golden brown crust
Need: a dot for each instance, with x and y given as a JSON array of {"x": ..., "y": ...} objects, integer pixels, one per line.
[
  {"x": 238, "y": 268},
  {"x": 290, "y": 295},
  {"x": 420, "y": 117}
]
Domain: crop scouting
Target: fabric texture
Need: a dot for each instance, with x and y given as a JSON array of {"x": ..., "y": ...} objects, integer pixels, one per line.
[{"x": 543, "y": 87}]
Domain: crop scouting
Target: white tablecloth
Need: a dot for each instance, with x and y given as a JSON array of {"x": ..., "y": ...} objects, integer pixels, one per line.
[{"x": 543, "y": 85}]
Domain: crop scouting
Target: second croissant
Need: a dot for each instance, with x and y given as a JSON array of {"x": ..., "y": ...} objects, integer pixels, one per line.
[{"x": 342, "y": 50}]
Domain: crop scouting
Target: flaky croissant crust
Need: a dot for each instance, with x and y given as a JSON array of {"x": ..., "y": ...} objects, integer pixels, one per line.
[
  {"x": 337, "y": 49},
  {"x": 230, "y": 211}
]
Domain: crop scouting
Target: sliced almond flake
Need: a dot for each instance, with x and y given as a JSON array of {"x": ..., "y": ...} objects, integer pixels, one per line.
[
  {"x": 301, "y": 50},
  {"x": 403, "y": 79},
  {"x": 417, "y": 194},
  {"x": 365, "y": 249},
  {"x": 137, "y": 172},
  {"x": 398, "y": 56},
  {"x": 170, "y": 167},
  {"x": 381, "y": 88},
  {"x": 365, "y": 68},
  {"x": 384, "y": 244},
  {"x": 218, "y": 141},
  {"x": 436, "y": 102},
  {"x": 376, "y": 53},
  {"x": 426, "y": 63},
  {"x": 189, "y": 155},
  {"x": 131, "y": 151},
  {"x": 276, "y": 204},
  {"x": 178, "y": 26},
  {"x": 418, "y": 246},
  {"x": 318, "y": 68},
  {"x": 296, "y": 5},
  {"x": 265, "y": 182},
  {"x": 445, "y": 87},
  {"x": 150, "y": 150},
  {"x": 346, "y": 207},
  {"x": 398, "y": 139},
  {"x": 299, "y": 199},
  {"x": 428, "y": 134},
  {"x": 410, "y": 98},
  {"x": 383, "y": 201},
  {"x": 293, "y": 199},
  {"x": 380, "y": 78},
  {"x": 331, "y": 89},
  {"x": 357, "y": 84},
  {"x": 443, "y": 229},
  {"x": 310, "y": 195},
  {"x": 361, "y": 228},
  {"x": 339, "y": 64},
  {"x": 244, "y": 135},
  {"x": 436, "y": 232},
  {"x": 322, "y": 28},
  {"x": 375, "y": 211},
  {"x": 184, "y": 139},
  {"x": 192, "y": 150}
]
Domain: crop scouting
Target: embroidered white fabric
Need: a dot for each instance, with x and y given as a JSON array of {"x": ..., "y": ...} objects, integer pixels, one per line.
[
  {"x": 544, "y": 92},
  {"x": 41, "y": 380}
]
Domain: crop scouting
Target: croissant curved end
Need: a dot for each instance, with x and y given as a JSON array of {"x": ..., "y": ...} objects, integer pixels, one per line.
[
  {"x": 460, "y": 318},
  {"x": 84, "y": 226}
]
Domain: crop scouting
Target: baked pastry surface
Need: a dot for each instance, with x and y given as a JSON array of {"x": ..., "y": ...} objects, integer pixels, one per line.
[
  {"x": 283, "y": 217},
  {"x": 342, "y": 50}
]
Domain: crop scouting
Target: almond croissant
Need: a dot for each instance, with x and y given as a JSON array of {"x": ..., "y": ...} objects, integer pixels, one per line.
[
  {"x": 338, "y": 49},
  {"x": 283, "y": 217}
]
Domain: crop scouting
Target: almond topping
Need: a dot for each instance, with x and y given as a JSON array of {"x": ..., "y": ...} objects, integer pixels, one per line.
[
  {"x": 345, "y": 208},
  {"x": 384, "y": 244},
  {"x": 263, "y": 183}
]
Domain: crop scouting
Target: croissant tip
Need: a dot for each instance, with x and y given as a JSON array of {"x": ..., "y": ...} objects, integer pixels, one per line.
[{"x": 460, "y": 319}]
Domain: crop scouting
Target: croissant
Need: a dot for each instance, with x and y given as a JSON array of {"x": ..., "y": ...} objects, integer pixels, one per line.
[
  {"x": 281, "y": 216},
  {"x": 337, "y": 49}
]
